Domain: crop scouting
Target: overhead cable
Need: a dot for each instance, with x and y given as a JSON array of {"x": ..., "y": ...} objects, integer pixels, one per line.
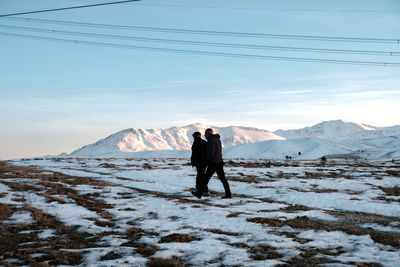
[
  {"x": 66, "y": 8},
  {"x": 212, "y": 44},
  {"x": 279, "y": 9},
  {"x": 209, "y": 53},
  {"x": 216, "y": 33}
]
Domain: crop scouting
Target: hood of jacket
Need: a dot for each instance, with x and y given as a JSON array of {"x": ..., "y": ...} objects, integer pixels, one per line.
[{"x": 214, "y": 136}]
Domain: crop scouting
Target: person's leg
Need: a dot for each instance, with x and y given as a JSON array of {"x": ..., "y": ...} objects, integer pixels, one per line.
[
  {"x": 207, "y": 176},
  {"x": 222, "y": 178},
  {"x": 200, "y": 175},
  {"x": 204, "y": 173}
]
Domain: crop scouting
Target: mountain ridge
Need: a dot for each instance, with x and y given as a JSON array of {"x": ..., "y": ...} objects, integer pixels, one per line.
[
  {"x": 335, "y": 137},
  {"x": 173, "y": 138},
  {"x": 339, "y": 130}
]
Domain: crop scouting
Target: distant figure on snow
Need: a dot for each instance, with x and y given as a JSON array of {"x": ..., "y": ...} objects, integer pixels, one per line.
[
  {"x": 323, "y": 161},
  {"x": 214, "y": 164},
  {"x": 199, "y": 160}
]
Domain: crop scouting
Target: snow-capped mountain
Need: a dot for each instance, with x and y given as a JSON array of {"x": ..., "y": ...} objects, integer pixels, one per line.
[
  {"x": 340, "y": 130},
  {"x": 303, "y": 148},
  {"x": 329, "y": 138},
  {"x": 175, "y": 138},
  {"x": 312, "y": 148},
  {"x": 384, "y": 147}
]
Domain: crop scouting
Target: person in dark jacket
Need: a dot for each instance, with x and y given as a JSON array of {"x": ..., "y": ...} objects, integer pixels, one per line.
[
  {"x": 214, "y": 164},
  {"x": 199, "y": 160}
]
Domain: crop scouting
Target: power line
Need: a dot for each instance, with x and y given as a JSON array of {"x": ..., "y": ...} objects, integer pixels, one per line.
[
  {"x": 278, "y": 9},
  {"x": 144, "y": 4},
  {"x": 66, "y": 8},
  {"x": 208, "y": 53},
  {"x": 217, "y": 33},
  {"x": 214, "y": 44}
]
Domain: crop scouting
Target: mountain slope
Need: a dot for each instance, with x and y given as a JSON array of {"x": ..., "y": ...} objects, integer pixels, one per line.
[
  {"x": 334, "y": 138},
  {"x": 175, "y": 138},
  {"x": 312, "y": 148},
  {"x": 340, "y": 130},
  {"x": 309, "y": 148},
  {"x": 383, "y": 148}
]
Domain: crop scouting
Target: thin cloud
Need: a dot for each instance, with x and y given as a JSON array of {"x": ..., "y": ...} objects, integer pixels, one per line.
[
  {"x": 369, "y": 93},
  {"x": 293, "y": 92}
]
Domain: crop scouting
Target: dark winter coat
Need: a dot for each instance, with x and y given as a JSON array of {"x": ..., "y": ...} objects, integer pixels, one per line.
[
  {"x": 199, "y": 152},
  {"x": 214, "y": 149}
]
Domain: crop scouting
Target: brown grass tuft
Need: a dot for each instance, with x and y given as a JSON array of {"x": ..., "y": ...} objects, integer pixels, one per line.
[
  {"x": 160, "y": 262},
  {"x": 178, "y": 238},
  {"x": 393, "y": 173},
  {"x": 147, "y": 166},
  {"x": 220, "y": 232},
  {"x": 233, "y": 214},
  {"x": 65, "y": 257},
  {"x": 264, "y": 252},
  {"x": 392, "y": 191},
  {"x": 5, "y": 211},
  {"x": 295, "y": 207},
  {"x": 107, "y": 165},
  {"x": 111, "y": 256},
  {"x": 303, "y": 222}
]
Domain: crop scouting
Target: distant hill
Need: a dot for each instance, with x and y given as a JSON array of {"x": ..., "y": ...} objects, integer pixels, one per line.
[
  {"x": 340, "y": 130},
  {"x": 313, "y": 148},
  {"x": 175, "y": 138},
  {"x": 309, "y": 148},
  {"x": 330, "y": 138}
]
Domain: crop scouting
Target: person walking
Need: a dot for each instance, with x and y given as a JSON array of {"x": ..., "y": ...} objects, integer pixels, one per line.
[
  {"x": 215, "y": 163},
  {"x": 199, "y": 160},
  {"x": 323, "y": 161}
]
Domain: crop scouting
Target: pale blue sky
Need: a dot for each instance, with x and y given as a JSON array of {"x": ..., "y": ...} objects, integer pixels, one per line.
[{"x": 57, "y": 97}]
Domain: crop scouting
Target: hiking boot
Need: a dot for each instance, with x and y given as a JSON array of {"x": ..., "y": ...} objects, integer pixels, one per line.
[
  {"x": 227, "y": 196},
  {"x": 196, "y": 194}
]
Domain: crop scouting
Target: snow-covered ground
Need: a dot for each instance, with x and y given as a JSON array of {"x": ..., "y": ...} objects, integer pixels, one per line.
[{"x": 141, "y": 212}]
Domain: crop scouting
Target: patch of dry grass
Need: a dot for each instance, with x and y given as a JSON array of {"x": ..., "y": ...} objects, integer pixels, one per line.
[
  {"x": 233, "y": 214},
  {"x": 393, "y": 173},
  {"x": 107, "y": 165},
  {"x": 19, "y": 187},
  {"x": 305, "y": 223},
  {"x": 178, "y": 238},
  {"x": 49, "y": 198},
  {"x": 264, "y": 252},
  {"x": 391, "y": 191},
  {"x": 5, "y": 211},
  {"x": 248, "y": 164},
  {"x": 111, "y": 256},
  {"x": 245, "y": 178},
  {"x": 14, "y": 245},
  {"x": 313, "y": 257},
  {"x": 10, "y": 171},
  {"x": 85, "y": 200},
  {"x": 134, "y": 234},
  {"x": 147, "y": 166},
  {"x": 293, "y": 208},
  {"x": 220, "y": 232},
  {"x": 160, "y": 262}
]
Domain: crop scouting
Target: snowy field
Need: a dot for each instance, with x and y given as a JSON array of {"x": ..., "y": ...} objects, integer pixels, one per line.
[{"x": 140, "y": 212}]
